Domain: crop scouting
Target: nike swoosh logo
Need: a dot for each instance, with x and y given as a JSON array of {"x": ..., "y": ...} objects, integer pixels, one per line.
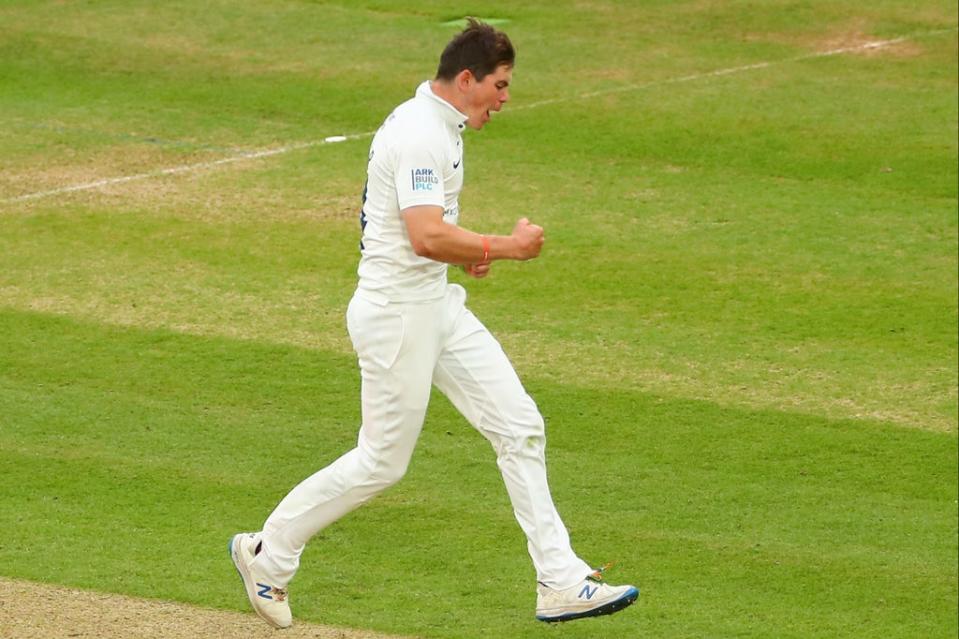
[{"x": 456, "y": 165}]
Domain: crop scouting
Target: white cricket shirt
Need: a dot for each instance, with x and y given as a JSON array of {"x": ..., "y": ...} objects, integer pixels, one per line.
[{"x": 416, "y": 158}]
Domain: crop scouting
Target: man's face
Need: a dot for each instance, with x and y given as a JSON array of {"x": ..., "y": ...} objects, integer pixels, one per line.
[{"x": 487, "y": 95}]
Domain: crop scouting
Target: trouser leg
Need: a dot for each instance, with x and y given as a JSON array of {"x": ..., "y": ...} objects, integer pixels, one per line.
[
  {"x": 475, "y": 374},
  {"x": 394, "y": 396}
]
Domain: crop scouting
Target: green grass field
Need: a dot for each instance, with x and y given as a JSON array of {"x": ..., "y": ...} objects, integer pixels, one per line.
[{"x": 742, "y": 331}]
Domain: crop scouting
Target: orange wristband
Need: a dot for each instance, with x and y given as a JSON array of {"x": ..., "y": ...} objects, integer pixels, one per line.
[{"x": 485, "y": 249}]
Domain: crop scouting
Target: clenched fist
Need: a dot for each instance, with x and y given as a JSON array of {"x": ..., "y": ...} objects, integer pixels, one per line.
[{"x": 528, "y": 238}]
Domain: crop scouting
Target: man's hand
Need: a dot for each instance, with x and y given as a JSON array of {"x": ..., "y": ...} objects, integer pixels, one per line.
[
  {"x": 528, "y": 238},
  {"x": 478, "y": 271}
]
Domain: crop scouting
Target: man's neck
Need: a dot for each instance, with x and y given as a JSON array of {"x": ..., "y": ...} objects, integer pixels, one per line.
[{"x": 447, "y": 91}]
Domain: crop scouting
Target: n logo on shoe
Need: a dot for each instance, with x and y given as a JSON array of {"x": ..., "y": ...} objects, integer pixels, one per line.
[
  {"x": 587, "y": 593},
  {"x": 263, "y": 590}
]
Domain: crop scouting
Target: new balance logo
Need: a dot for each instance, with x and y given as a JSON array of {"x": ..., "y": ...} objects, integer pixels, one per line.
[
  {"x": 264, "y": 589},
  {"x": 587, "y": 592}
]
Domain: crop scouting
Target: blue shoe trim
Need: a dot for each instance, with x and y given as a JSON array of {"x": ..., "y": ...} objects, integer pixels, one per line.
[
  {"x": 237, "y": 568},
  {"x": 606, "y": 609}
]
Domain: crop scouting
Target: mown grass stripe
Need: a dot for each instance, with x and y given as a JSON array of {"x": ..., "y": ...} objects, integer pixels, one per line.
[{"x": 265, "y": 153}]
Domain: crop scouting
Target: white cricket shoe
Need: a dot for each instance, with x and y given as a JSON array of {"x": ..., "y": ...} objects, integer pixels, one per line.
[
  {"x": 269, "y": 601},
  {"x": 589, "y": 598}
]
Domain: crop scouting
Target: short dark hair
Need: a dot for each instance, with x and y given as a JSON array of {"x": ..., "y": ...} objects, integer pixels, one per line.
[{"x": 479, "y": 48}]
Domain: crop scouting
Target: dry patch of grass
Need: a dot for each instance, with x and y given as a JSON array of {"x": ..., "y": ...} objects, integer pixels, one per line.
[
  {"x": 854, "y": 38},
  {"x": 746, "y": 382},
  {"x": 290, "y": 319},
  {"x": 859, "y": 44},
  {"x": 68, "y": 168},
  {"x": 202, "y": 192},
  {"x": 35, "y": 611}
]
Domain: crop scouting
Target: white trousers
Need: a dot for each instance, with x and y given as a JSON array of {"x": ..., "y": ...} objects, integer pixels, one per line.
[{"x": 403, "y": 350}]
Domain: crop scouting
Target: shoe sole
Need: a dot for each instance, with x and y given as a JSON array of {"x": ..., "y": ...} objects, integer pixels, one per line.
[
  {"x": 606, "y": 609},
  {"x": 247, "y": 580}
]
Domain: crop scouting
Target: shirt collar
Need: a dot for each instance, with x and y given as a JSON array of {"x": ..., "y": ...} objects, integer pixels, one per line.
[{"x": 447, "y": 111}]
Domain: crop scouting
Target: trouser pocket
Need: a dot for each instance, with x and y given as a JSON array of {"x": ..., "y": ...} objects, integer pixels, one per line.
[{"x": 376, "y": 332}]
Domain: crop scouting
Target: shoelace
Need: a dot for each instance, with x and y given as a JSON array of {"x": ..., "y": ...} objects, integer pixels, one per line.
[{"x": 597, "y": 575}]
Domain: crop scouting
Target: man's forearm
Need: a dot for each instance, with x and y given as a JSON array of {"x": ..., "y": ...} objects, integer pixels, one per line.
[
  {"x": 455, "y": 245},
  {"x": 433, "y": 238}
]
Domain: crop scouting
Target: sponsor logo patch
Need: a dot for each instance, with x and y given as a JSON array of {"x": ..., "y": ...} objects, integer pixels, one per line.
[{"x": 423, "y": 179}]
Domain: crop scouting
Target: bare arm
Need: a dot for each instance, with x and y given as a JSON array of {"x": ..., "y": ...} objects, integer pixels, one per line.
[{"x": 433, "y": 238}]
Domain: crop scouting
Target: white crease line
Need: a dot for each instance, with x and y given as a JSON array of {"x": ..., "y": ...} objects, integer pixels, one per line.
[
  {"x": 252, "y": 155},
  {"x": 187, "y": 168},
  {"x": 878, "y": 44},
  {"x": 646, "y": 85}
]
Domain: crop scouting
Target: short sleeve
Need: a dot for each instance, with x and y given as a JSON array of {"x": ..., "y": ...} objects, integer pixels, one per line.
[{"x": 419, "y": 175}]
